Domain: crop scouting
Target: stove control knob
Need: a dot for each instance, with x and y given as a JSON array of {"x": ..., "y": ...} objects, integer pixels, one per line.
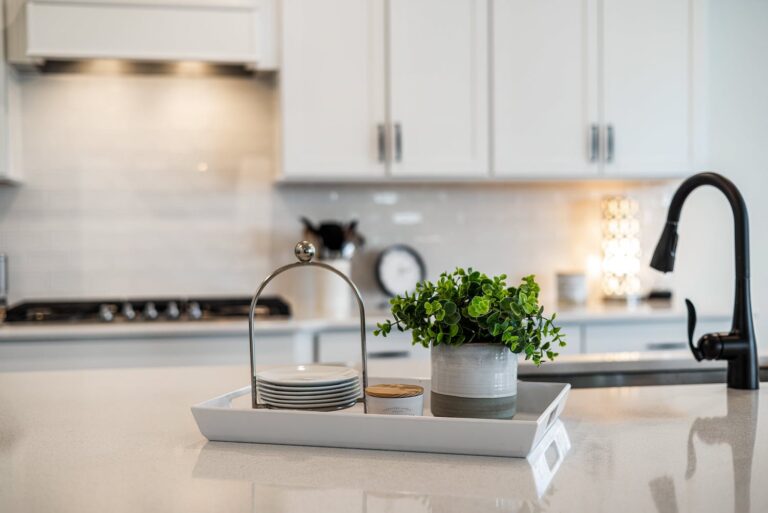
[
  {"x": 128, "y": 312},
  {"x": 107, "y": 313},
  {"x": 150, "y": 311},
  {"x": 172, "y": 310},
  {"x": 194, "y": 311}
]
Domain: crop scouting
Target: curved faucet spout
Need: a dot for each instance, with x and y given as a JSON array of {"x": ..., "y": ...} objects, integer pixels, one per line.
[
  {"x": 666, "y": 253},
  {"x": 738, "y": 346}
]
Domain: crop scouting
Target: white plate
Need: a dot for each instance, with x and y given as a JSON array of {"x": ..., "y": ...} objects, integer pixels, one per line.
[
  {"x": 352, "y": 394},
  {"x": 332, "y": 389},
  {"x": 307, "y": 375},
  {"x": 314, "y": 398},
  {"x": 309, "y": 394},
  {"x": 305, "y": 389},
  {"x": 329, "y": 404},
  {"x": 310, "y": 404}
]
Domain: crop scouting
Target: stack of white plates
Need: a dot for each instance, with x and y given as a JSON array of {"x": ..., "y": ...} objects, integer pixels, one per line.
[{"x": 309, "y": 387}]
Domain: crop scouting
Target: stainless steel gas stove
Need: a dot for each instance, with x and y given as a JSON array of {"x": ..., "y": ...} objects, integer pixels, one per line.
[{"x": 144, "y": 310}]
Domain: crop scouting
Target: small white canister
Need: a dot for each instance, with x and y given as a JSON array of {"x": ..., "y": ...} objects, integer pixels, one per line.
[
  {"x": 395, "y": 399},
  {"x": 572, "y": 288},
  {"x": 333, "y": 297}
]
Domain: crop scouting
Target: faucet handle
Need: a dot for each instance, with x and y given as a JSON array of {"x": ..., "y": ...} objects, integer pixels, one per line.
[{"x": 691, "y": 328}]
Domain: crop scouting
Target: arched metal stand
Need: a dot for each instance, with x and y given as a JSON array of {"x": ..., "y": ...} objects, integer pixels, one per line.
[{"x": 305, "y": 251}]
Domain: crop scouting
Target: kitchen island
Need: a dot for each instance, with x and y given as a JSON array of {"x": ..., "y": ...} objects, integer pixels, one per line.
[{"x": 124, "y": 440}]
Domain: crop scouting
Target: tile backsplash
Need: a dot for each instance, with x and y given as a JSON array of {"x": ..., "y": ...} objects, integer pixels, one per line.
[
  {"x": 140, "y": 184},
  {"x": 511, "y": 229},
  {"x": 145, "y": 184}
]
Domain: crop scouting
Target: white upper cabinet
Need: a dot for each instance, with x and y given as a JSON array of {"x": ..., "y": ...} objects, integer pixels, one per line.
[
  {"x": 218, "y": 31},
  {"x": 649, "y": 88},
  {"x": 332, "y": 89},
  {"x": 480, "y": 89},
  {"x": 596, "y": 88},
  {"x": 438, "y": 87},
  {"x": 545, "y": 105},
  {"x": 10, "y": 122},
  {"x": 384, "y": 88}
]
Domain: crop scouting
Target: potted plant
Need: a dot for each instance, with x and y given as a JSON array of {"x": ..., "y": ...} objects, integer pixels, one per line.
[{"x": 476, "y": 326}]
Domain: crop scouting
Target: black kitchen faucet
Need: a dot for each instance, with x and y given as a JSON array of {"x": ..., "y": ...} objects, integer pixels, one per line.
[{"x": 738, "y": 346}]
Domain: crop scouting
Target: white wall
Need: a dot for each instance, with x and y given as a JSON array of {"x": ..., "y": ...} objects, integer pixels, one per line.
[
  {"x": 114, "y": 203},
  {"x": 140, "y": 184},
  {"x": 738, "y": 71}
]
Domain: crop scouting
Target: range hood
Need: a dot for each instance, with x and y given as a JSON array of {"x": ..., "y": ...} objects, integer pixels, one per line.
[{"x": 239, "y": 32}]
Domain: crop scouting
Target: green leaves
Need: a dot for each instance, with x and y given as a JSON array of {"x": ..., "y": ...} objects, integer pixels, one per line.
[
  {"x": 467, "y": 306},
  {"x": 383, "y": 329},
  {"x": 478, "y": 306}
]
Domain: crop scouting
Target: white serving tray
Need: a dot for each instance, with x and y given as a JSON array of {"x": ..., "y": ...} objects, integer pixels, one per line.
[{"x": 230, "y": 418}]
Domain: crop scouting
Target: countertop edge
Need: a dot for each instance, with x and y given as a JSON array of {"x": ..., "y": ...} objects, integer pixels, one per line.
[{"x": 287, "y": 326}]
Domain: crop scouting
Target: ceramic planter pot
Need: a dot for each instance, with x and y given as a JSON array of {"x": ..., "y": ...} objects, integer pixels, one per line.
[{"x": 475, "y": 380}]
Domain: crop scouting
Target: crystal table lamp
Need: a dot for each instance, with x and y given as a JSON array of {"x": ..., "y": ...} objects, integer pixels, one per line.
[{"x": 620, "y": 248}]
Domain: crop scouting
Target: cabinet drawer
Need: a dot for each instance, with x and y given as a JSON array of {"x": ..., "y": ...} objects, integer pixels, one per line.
[
  {"x": 656, "y": 336},
  {"x": 345, "y": 347}
]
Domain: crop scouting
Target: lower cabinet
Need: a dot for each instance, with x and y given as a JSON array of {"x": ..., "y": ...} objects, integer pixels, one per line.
[
  {"x": 644, "y": 336},
  {"x": 175, "y": 351},
  {"x": 341, "y": 345},
  {"x": 573, "y": 337},
  {"x": 345, "y": 347}
]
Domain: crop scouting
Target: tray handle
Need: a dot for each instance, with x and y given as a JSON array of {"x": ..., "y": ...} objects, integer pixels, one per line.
[
  {"x": 545, "y": 459},
  {"x": 305, "y": 251}
]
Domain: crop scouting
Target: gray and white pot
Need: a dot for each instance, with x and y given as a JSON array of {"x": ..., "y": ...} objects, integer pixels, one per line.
[{"x": 477, "y": 380}]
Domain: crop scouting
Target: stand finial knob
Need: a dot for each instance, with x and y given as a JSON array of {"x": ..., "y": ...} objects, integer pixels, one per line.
[{"x": 304, "y": 251}]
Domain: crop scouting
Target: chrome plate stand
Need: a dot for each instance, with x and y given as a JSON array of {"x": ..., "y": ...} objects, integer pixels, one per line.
[{"x": 304, "y": 252}]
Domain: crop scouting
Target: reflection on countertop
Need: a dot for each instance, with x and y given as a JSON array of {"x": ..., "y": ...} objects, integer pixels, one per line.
[
  {"x": 124, "y": 440},
  {"x": 416, "y": 482},
  {"x": 737, "y": 429}
]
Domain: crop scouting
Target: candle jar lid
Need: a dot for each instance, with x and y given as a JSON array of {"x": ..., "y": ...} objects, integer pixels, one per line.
[{"x": 393, "y": 391}]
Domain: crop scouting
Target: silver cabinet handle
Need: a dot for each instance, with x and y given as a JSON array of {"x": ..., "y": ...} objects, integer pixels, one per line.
[
  {"x": 594, "y": 142},
  {"x": 398, "y": 143},
  {"x": 388, "y": 354},
  {"x": 666, "y": 346},
  {"x": 381, "y": 142},
  {"x": 609, "y": 143}
]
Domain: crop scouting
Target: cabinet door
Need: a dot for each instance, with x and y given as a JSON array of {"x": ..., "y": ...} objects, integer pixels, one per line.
[
  {"x": 544, "y": 73},
  {"x": 645, "y": 336},
  {"x": 10, "y": 129},
  {"x": 438, "y": 80},
  {"x": 648, "y": 87},
  {"x": 332, "y": 86},
  {"x": 573, "y": 339},
  {"x": 345, "y": 347}
]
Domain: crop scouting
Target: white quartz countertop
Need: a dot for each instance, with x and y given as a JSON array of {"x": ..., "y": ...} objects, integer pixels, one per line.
[{"x": 124, "y": 440}]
